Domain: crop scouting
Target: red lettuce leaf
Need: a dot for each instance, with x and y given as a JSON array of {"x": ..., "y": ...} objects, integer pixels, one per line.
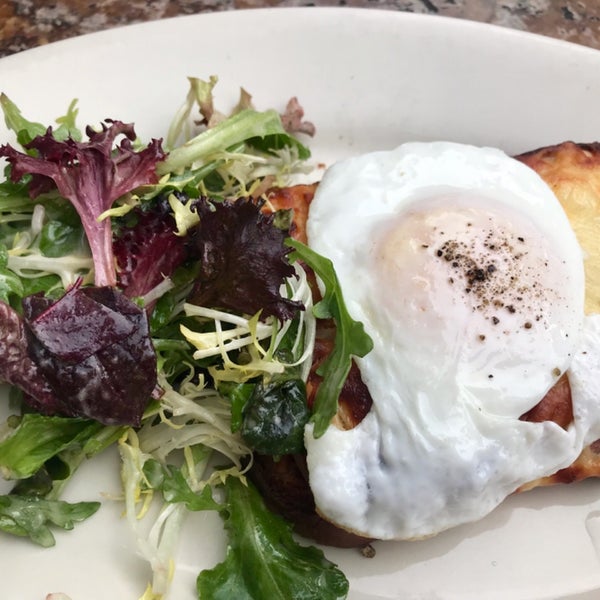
[
  {"x": 92, "y": 175},
  {"x": 93, "y": 348},
  {"x": 18, "y": 369},
  {"x": 148, "y": 251},
  {"x": 243, "y": 259}
]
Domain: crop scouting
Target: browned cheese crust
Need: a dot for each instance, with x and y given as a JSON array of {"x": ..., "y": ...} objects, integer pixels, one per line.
[{"x": 573, "y": 172}]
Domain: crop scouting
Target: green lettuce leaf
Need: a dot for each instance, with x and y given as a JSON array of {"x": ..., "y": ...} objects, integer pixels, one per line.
[
  {"x": 38, "y": 438},
  {"x": 260, "y": 129},
  {"x": 10, "y": 283},
  {"x": 263, "y": 559}
]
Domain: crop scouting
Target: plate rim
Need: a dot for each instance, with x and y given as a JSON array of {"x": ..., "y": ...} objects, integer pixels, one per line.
[
  {"x": 344, "y": 12},
  {"x": 456, "y": 24}
]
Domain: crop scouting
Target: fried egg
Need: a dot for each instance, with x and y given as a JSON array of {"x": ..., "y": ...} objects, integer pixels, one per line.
[{"x": 464, "y": 269}]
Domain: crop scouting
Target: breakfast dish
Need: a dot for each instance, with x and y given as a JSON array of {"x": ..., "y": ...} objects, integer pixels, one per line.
[
  {"x": 478, "y": 284},
  {"x": 394, "y": 565}
]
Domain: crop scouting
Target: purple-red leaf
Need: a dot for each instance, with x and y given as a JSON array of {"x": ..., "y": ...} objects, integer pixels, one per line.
[
  {"x": 149, "y": 251},
  {"x": 93, "y": 348},
  {"x": 92, "y": 175},
  {"x": 18, "y": 369},
  {"x": 243, "y": 260}
]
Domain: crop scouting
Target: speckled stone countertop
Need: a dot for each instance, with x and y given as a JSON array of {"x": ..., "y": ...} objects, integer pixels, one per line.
[{"x": 28, "y": 23}]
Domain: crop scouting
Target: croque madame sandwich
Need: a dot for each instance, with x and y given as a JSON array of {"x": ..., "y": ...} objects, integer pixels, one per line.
[{"x": 477, "y": 276}]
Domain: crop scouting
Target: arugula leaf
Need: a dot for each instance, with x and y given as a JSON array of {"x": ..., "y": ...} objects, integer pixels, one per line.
[
  {"x": 238, "y": 394},
  {"x": 350, "y": 336},
  {"x": 263, "y": 559},
  {"x": 30, "y": 516}
]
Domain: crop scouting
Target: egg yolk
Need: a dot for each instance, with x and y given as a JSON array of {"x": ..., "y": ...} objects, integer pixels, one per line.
[{"x": 479, "y": 286}]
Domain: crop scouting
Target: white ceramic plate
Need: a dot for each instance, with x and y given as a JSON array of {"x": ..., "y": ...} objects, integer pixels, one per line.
[{"x": 368, "y": 80}]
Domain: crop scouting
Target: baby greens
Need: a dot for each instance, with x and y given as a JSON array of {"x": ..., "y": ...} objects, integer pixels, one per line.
[{"x": 149, "y": 299}]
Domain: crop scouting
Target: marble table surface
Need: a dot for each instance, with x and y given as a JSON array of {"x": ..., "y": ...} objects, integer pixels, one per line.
[{"x": 28, "y": 23}]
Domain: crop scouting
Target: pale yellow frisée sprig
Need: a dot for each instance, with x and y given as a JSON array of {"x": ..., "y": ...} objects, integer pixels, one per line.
[
  {"x": 194, "y": 425},
  {"x": 235, "y": 332}
]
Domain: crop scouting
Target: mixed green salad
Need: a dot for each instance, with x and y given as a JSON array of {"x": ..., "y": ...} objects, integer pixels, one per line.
[{"x": 149, "y": 300}]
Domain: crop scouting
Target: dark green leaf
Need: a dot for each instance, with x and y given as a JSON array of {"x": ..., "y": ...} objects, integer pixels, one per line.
[
  {"x": 238, "y": 394},
  {"x": 59, "y": 239},
  {"x": 263, "y": 559},
  {"x": 274, "y": 417},
  {"x": 51, "y": 285},
  {"x": 59, "y": 209},
  {"x": 14, "y": 197},
  {"x": 40, "y": 484},
  {"x": 162, "y": 313}
]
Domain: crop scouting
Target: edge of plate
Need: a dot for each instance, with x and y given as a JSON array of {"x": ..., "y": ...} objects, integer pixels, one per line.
[{"x": 388, "y": 17}]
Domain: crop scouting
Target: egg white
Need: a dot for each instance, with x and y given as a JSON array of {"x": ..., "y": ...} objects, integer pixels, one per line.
[{"x": 463, "y": 268}]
